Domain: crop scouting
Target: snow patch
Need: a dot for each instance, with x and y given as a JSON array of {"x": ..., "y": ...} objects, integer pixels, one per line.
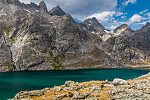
[
  {"x": 37, "y": 11},
  {"x": 27, "y": 10},
  {"x": 119, "y": 31}
]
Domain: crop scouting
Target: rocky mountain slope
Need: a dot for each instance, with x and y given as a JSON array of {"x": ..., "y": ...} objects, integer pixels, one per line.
[
  {"x": 118, "y": 89},
  {"x": 93, "y": 26},
  {"x": 33, "y": 38},
  {"x": 129, "y": 47}
]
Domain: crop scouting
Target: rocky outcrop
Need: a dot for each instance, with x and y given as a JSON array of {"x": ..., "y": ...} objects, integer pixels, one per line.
[
  {"x": 94, "y": 90},
  {"x": 92, "y": 24},
  {"x": 43, "y": 7},
  {"x": 124, "y": 29},
  {"x": 134, "y": 89}
]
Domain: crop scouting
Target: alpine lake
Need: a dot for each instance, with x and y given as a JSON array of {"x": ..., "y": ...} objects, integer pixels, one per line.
[{"x": 14, "y": 82}]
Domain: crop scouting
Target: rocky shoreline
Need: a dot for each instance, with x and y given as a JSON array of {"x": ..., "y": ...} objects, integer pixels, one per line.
[
  {"x": 83, "y": 68},
  {"x": 118, "y": 89}
]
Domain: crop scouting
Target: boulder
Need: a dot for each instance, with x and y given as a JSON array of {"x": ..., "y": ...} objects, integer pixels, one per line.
[
  {"x": 118, "y": 81},
  {"x": 78, "y": 95},
  {"x": 57, "y": 88},
  {"x": 70, "y": 83},
  {"x": 61, "y": 96}
]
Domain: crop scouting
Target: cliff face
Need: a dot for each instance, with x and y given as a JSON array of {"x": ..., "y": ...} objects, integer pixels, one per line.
[
  {"x": 33, "y": 39},
  {"x": 129, "y": 47}
]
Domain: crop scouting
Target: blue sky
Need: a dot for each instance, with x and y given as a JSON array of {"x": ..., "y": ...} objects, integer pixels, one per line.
[{"x": 111, "y": 13}]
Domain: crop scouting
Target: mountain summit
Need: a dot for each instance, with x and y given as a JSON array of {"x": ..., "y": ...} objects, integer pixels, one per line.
[
  {"x": 57, "y": 11},
  {"x": 43, "y": 7},
  {"x": 14, "y": 2},
  {"x": 122, "y": 29},
  {"x": 92, "y": 24},
  {"x": 31, "y": 39}
]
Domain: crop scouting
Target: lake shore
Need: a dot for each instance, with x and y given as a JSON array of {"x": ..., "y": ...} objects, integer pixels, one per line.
[
  {"x": 144, "y": 67},
  {"x": 137, "y": 88}
]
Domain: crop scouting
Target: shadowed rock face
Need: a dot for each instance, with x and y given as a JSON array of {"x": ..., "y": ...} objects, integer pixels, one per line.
[
  {"x": 6, "y": 61},
  {"x": 141, "y": 39},
  {"x": 57, "y": 11},
  {"x": 43, "y": 7},
  {"x": 93, "y": 26},
  {"x": 129, "y": 47}
]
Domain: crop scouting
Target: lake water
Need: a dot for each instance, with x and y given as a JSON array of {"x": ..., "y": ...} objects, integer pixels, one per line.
[{"x": 13, "y": 82}]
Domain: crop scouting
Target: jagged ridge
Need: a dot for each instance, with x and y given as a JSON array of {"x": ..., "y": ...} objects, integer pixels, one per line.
[{"x": 42, "y": 41}]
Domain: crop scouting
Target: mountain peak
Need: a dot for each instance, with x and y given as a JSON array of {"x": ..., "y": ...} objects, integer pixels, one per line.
[
  {"x": 122, "y": 28},
  {"x": 43, "y": 6},
  {"x": 57, "y": 11},
  {"x": 93, "y": 24},
  {"x": 5, "y": 2},
  {"x": 14, "y": 2},
  {"x": 92, "y": 20},
  {"x": 146, "y": 25}
]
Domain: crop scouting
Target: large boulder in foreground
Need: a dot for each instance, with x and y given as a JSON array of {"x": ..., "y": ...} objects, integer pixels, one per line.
[{"x": 118, "y": 81}]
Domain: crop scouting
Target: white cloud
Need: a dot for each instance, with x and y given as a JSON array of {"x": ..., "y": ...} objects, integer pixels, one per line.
[
  {"x": 103, "y": 16},
  {"x": 146, "y": 17},
  {"x": 108, "y": 18},
  {"x": 148, "y": 14},
  {"x": 144, "y": 11},
  {"x": 79, "y": 8},
  {"x": 130, "y": 1},
  {"x": 135, "y": 19}
]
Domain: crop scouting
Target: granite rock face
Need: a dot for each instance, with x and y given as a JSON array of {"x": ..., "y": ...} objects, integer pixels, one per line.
[
  {"x": 127, "y": 46},
  {"x": 37, "y": 40},
  {"x": 6, "y": 61}
]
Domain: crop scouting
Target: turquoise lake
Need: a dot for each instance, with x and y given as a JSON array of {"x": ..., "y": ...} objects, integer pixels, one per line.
[{"x": 13, "y": 82}]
